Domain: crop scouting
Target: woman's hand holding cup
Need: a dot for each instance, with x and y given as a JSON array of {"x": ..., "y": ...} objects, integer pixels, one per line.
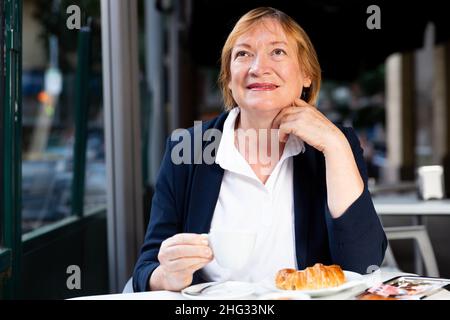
[{"x": 180, "y": 256}]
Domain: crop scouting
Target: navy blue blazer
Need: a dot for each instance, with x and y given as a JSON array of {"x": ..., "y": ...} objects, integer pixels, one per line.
[{"x": 186, "y": 195}]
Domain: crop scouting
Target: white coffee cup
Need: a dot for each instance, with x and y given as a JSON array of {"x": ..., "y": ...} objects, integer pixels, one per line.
[{"x": 232, "y": 249}]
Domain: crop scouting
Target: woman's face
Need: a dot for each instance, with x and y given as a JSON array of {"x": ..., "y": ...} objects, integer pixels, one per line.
[{"x": 265, "y": 72}]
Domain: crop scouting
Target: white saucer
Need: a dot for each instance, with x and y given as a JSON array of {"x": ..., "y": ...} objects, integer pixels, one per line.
[{"x": 221, "y": 291}]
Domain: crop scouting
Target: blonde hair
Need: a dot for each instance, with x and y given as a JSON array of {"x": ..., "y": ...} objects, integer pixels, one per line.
[{"x": 307, "y": 56}]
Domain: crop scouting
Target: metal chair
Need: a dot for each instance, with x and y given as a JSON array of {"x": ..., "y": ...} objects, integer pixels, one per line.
[{"x": 423, "y": 244}]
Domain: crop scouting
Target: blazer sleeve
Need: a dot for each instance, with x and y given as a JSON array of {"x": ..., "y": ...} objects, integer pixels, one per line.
[
  {"x": 162, "y": 225},
  {"x": 357, "y": 239}
]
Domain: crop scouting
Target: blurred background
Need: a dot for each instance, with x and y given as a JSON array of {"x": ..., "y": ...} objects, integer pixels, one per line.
[{"x": 86, "y": 112}]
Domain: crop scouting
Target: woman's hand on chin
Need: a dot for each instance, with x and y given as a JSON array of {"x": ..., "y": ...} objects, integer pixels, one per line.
[
  {"x": 310, "y": 125},
  {"x": 344, "y": 182}
]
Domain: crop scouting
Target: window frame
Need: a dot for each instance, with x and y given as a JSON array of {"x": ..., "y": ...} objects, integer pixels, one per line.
[{"x": 11, "y": 137}]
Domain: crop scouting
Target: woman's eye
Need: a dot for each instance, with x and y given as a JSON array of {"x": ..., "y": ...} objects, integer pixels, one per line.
[
  {"x": 279, "y": 52},
  {"x": 241, "y": 54}
]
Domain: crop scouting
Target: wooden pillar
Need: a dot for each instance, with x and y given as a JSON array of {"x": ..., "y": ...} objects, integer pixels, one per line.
[
  {"x": 400, "y": 122},
  {"x": 441, "y": 97}
]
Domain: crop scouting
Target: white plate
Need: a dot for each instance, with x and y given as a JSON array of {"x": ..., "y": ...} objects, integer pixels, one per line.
[
  {"x": 287, "y": 295},
  {"x": 352, "y": 279},
  {"x": 221, "y": 291}
]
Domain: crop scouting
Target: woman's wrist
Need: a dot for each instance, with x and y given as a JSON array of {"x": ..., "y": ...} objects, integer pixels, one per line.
[
  {"x": 157, "y": 279},
  {"x": 336, "y": 144}
]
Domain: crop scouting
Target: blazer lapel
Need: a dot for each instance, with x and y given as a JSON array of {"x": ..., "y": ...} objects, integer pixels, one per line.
[
  {"x": 303, "y": 180},
  {"x": 204, "y": 192}
]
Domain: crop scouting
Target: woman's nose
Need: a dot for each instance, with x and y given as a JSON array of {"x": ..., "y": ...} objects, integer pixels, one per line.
[{"x": 260, "y": 65}]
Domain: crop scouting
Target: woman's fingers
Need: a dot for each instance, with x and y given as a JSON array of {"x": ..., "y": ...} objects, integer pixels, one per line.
[
  {"x": 280, "y": 122},
  {"x": 301, "y": 103},
  {"x": 198, "y": 266},
  {"x": 285, "y": 130},
  {"x": 182, "y": 278},
  {"x": 184, "y": 250},
  {"x": 301, "y": 116},
  {"x": 185, "y": 238},
  {"x": 279, "y": 117},
  {"x": 181, "y": 255},
  {"x": 187, "y": 251},
  {"x": 186, "y": 264},
  {"x": 295, "y": 108}
]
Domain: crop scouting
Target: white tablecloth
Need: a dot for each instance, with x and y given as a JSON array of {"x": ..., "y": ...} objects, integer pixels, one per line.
[{"x": 370, "y": 280}]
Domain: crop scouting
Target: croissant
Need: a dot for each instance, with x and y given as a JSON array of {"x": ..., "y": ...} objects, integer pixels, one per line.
[{"x": 316, "y": 277}]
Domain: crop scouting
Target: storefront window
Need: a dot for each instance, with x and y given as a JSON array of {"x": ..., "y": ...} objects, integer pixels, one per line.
[{"x": 50, "y": 62}]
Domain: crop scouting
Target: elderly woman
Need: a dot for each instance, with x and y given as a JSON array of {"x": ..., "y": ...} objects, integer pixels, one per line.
[{"x": 311, "y": 204}]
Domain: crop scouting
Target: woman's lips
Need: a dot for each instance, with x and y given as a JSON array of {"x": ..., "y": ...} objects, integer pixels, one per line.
[{"x": 265, "y": 87}]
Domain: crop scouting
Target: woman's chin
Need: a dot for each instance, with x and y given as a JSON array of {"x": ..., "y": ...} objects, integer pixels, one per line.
[{"x": 263, "y": 106}]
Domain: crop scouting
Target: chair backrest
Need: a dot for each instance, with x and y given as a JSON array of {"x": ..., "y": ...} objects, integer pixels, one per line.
[
  {"x": 129, "y": 286},
  {"x": 425, "y": 250},
  {"x": 389, "y": 262}
]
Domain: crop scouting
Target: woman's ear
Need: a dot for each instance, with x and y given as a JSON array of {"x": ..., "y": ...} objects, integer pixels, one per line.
[{"x": 307, "y": 82}]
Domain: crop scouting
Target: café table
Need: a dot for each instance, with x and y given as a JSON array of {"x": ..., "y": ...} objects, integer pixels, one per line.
[
  {"x": 349, "y": 294},
  {"x": 410, "y": 205}
]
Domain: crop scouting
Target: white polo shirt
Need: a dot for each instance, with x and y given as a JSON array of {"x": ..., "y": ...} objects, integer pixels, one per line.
[{"x": 245, "y": 203}]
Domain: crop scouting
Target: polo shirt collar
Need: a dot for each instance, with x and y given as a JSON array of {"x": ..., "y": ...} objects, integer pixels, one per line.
[{"x": 229, "y": 158}]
